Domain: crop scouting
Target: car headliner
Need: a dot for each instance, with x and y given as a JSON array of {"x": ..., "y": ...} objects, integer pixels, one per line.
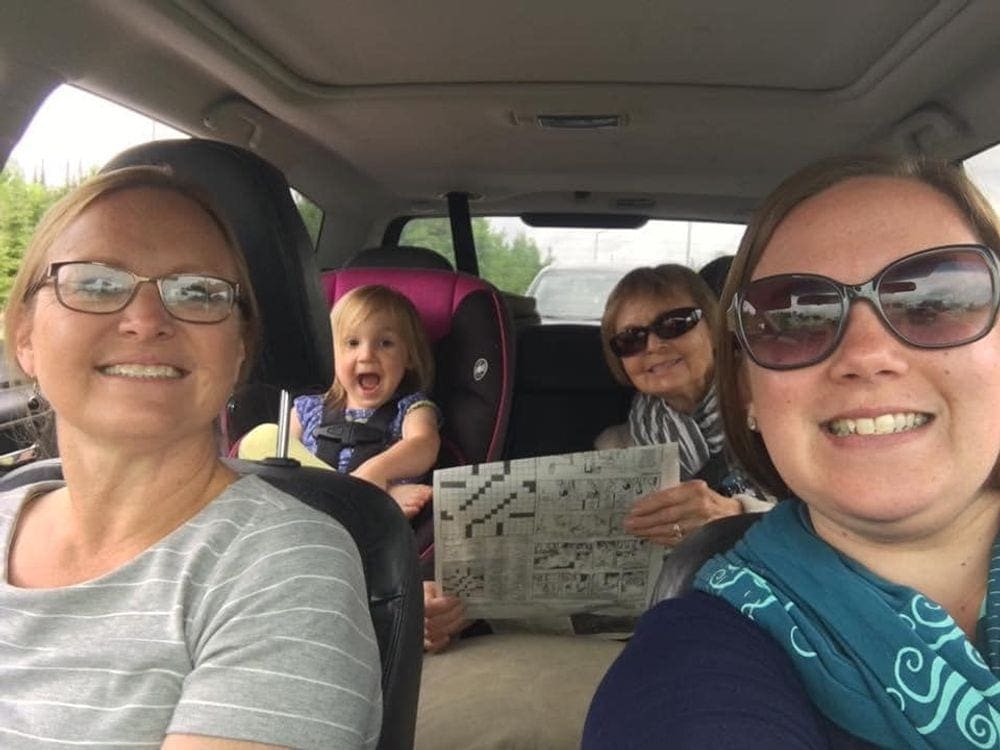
[{"x": 377, "y": 109}]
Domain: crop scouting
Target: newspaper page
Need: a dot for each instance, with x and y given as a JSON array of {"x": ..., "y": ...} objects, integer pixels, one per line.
[{"x": 543, "y": 536}]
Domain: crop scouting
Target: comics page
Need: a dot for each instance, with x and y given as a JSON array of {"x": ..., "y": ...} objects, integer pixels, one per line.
[{"x": 543, "y": 536}]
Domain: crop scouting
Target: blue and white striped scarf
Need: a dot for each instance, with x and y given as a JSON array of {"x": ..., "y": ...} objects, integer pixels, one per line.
[{"x": 698, "y": 435}]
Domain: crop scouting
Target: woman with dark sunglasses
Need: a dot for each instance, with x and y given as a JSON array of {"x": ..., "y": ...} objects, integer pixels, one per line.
[
  {"x": 657, "y": 337},
  {"x": 859, "y": 381},
  {"x": 155, "y": 598}
]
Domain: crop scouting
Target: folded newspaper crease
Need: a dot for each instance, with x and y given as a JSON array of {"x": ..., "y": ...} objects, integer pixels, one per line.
[{"x": 543, "y": 536}]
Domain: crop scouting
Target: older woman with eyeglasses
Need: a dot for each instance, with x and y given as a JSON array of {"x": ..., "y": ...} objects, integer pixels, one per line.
[
  {"x": 155, "y": 598},
  {"x": 859, "y": 381},
  {"x": 657, "y": 337}
]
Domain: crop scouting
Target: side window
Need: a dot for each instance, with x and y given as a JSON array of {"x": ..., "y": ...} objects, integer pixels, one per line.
[
  {"x": 311, "y": 214},
  {"x": 508, "y": 259},
  {"x": 71, "y": 136},
  {"x": 22, "y": 203},
  {"x": 984, "y": 169}
]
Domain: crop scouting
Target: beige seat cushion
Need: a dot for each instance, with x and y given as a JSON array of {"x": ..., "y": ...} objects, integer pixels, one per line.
[{"x": 516, "y": 692}]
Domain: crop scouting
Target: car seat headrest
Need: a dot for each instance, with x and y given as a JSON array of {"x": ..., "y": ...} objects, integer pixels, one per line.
[
  {"x": 296, "y": 350},
  {"x": 399, "y": 256},
  {"x": 436, "y": 294}
]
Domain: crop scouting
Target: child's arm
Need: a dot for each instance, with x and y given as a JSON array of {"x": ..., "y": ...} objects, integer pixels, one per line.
[
  {"x": 412, "y": 456},
  {"x": 294, "y": 425}
]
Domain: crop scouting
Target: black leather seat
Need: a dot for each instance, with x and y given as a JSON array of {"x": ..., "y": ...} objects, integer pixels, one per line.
[
  {"x": 564, "y": 394},
  {"x": 297, "y": 356},
  {"x": 680, "y": 566}
]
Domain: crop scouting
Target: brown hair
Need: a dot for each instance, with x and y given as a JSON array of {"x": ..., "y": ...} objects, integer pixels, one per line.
[
  {"x": 57, "y": 219},
  {"x": 364, "y": 301},
  {"x": 946, "y": 178},
  {"x": 652, "y": 282}
]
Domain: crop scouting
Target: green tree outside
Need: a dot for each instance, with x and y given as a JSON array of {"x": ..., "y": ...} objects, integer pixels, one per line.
[
  {"x": 22, "y": 205},
  {"x": 509, "y": 265}
]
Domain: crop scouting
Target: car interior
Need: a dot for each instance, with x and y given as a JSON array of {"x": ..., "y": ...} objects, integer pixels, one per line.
[{"x": 562, "y": 115}]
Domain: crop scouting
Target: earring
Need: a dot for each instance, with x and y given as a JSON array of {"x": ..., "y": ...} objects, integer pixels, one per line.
[
  {"x": 35, "y": 399},
  {"x": 751, "y": 423}
]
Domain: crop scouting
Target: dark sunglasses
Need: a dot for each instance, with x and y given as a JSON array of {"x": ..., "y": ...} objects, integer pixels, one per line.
[
  {"x": 667, "y": 325},
  {"x": 98, "y": 288},
  {"x": 933, "y": 299}
]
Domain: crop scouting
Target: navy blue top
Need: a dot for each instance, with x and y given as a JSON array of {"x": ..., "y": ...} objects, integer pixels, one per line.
[{"x": 698, "y": 674}]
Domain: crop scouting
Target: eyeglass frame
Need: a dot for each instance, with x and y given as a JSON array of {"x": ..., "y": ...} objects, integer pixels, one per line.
[
  {"x": 867, "y": 290},
  {"x": 689, "y": 312},
  {"x": 52, "y": 275}
]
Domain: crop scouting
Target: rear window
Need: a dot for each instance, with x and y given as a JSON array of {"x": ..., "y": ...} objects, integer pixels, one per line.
[
  {"x": 570, "y": 271},
  {"x": 573, "y": 295},
  {"x": 507, "y": 259}
]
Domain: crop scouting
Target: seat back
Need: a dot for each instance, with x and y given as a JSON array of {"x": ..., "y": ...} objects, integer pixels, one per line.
[
  {"x": 297, "y": 355},
  {"x": 399, "y": 256},
  {"x": 680, "y": 566},
  {"x": 469, "y": 330},
  {"x": 563, "y": 393}
]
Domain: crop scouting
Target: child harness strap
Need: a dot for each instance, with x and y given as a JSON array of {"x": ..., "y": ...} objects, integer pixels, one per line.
[{"x": 367, "y": 439}]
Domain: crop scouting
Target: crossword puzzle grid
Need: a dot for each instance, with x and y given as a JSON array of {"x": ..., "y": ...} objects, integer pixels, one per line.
[
  {"x": 465, "y": 580},
  {"x": 493, "y": 500}
]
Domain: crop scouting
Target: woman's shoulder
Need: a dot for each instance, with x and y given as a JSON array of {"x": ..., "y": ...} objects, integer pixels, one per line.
[
  {"x": 701, "y": 621},
  {"x": 280, "y": 573},
  {"x": 699, "y": 672},
  {"x": 255, "y": 506},
  {"x": 253, "y": 518},
  {"x": 12, "y": 500},
  {"x": 17, "y": 495}
]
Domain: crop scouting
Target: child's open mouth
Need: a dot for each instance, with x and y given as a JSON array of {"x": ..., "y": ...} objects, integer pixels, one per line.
[{"x": 369, "y": 381}]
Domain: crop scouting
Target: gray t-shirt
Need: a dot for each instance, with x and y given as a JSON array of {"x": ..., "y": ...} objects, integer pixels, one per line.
[{"x": 248, "y": 622}]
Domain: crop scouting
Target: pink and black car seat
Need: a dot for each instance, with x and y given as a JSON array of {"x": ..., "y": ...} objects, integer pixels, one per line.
[{"x": 469, "y": 329}]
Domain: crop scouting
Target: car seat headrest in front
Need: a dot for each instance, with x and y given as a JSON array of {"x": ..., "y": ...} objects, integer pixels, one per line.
[
  {"x": 296, "y": 352},
  {"x": 399, "y": 256}
]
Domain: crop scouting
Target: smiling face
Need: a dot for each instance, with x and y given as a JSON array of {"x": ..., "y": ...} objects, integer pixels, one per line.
[
  {"x": 370, "y": 359},
  {"x": 137, "y": 374},
  {"x": 678, "y": 370},
  {"x": 880, "y": 438}
]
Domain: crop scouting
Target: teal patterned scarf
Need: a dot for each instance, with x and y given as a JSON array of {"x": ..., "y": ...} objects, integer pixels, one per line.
[{"x": 880, "y": 660}]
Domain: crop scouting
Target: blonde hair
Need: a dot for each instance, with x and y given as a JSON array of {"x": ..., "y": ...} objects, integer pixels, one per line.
[
  {"x": 361, "y": 303},
  {"x": 652, "y": 283},
  {"x": 58, "y": 218},
  {"x": 946, "y": 178}
]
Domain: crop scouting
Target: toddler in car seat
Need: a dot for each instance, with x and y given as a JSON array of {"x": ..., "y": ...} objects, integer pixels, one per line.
[{"x": 376, "y": 422}]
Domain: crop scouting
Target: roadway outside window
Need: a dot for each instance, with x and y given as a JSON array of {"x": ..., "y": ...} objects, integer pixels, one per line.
[{"x": 570, "y": 271}]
